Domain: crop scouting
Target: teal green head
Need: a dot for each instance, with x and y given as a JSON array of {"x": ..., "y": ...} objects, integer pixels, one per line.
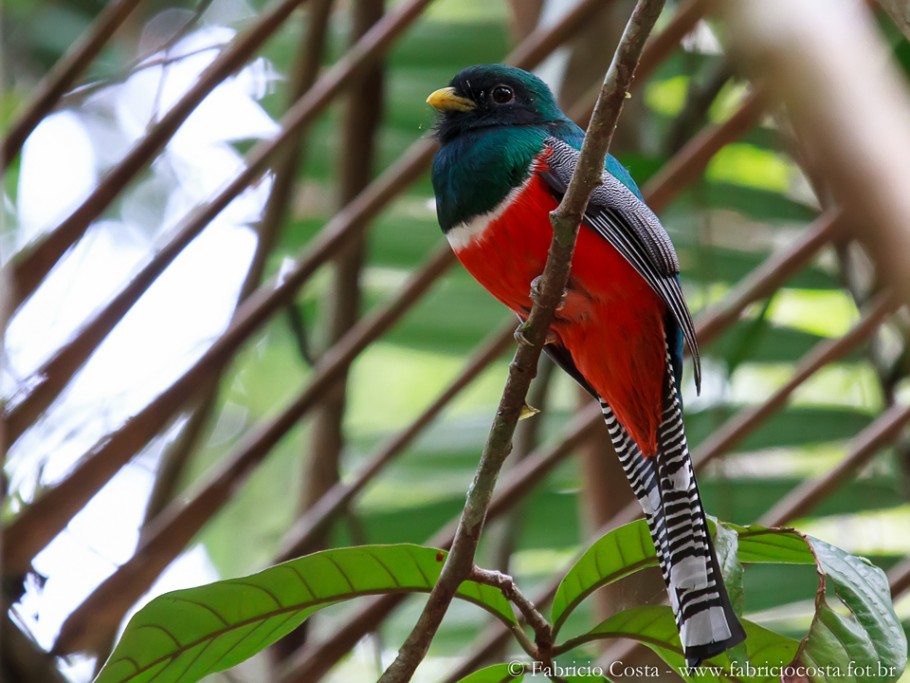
[
  {"x": 493, "y": 96},
  {"x": 493, "y": 120}
]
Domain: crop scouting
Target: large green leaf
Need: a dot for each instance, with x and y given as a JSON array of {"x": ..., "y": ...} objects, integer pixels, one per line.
[
  {"x": 187, "y": 634},
  {"x": 865, "y": 645},
  {"x": 761, "y": 544},
  {"x": 655, "y": 627},
  {"x": 619, "y": 553}
]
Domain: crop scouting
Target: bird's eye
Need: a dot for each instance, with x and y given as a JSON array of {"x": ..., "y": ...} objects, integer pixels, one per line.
[{"x": 502, "y": 94}]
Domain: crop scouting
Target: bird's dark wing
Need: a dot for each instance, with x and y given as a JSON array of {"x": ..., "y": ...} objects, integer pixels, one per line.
[{"x": 626, "y": 222}]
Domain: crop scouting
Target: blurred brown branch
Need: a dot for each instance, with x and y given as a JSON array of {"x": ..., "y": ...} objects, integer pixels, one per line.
[{"x": 849, "y": 107}]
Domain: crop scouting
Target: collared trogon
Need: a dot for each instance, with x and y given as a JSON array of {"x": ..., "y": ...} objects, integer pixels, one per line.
[{"x": 506, "y": 155}]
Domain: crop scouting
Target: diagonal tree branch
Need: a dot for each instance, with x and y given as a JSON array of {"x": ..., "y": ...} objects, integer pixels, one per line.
[
  {"x": 566, "y": 220},
  {"x": 61, "y": 76},
  {"x": 798, "y": 48}
]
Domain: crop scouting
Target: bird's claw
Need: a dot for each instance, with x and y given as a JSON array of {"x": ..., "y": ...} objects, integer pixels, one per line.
[
  {"x": 520, "y": 337},
  {"x": 536, "y": 290}
]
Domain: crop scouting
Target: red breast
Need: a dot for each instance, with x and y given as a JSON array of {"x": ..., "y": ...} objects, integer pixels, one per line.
[{"x": 612, "y": 321}]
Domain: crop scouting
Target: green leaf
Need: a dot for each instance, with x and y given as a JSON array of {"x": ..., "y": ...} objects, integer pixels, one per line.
[
  {"x": 766, "y": 205},
  {"x": 866, "y": 644},
  {"x": 774, "y": 343},
  {"x": 187, "y": 634},
  {"x": 761, "y": 544},
  {"x": 619, "y": 553},
  {"x": 655, "y": 627},
  {"x": 745, "y": 339},
  {"x": 498, "y": 673},
  {"x": 726, "y": 544}
]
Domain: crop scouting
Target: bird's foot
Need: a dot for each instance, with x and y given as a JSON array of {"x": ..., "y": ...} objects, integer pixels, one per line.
[
  {"x": 520, "y": 337},
  {"x": 536, "y": 290}
]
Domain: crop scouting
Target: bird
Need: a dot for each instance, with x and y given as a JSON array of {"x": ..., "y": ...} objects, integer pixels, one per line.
[{"x": 505, "y": 158}]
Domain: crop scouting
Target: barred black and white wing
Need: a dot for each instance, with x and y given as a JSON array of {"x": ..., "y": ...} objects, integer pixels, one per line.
[
  {"x": 666, "y": 489},
  {"x": 626, "y": 222}
]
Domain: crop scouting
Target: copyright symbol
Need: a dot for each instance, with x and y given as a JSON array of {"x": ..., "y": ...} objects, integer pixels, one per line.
[{"x": 516, "y": 668}]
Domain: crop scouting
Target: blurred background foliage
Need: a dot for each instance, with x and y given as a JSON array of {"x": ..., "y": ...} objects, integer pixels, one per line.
[{"x": 753, "y": 198}]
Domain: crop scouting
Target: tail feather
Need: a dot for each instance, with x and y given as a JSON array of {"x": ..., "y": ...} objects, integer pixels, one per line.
[{"x": 666, "y": 489}]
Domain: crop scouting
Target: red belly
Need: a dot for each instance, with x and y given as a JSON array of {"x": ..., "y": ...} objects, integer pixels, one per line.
[{"x": 612, "y": 321}]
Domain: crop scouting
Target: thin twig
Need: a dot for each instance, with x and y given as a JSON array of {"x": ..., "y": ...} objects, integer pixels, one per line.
[
  {"x": 543, "y": 632},
  {"x": 565, "y": 219}
]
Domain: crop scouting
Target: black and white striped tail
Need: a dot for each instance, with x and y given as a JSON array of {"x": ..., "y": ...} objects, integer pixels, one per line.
[{"x": 665, "y": 486}]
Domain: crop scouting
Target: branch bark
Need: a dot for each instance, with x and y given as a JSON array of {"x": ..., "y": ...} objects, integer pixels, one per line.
[{"x": 565, "y": 219}]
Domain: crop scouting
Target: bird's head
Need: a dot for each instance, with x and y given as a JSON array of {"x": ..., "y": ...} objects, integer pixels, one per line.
[{"x": 493, "y": 95}]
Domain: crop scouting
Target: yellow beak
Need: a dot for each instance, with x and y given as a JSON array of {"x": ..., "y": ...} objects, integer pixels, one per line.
[{"x": 445, "y": 99}]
